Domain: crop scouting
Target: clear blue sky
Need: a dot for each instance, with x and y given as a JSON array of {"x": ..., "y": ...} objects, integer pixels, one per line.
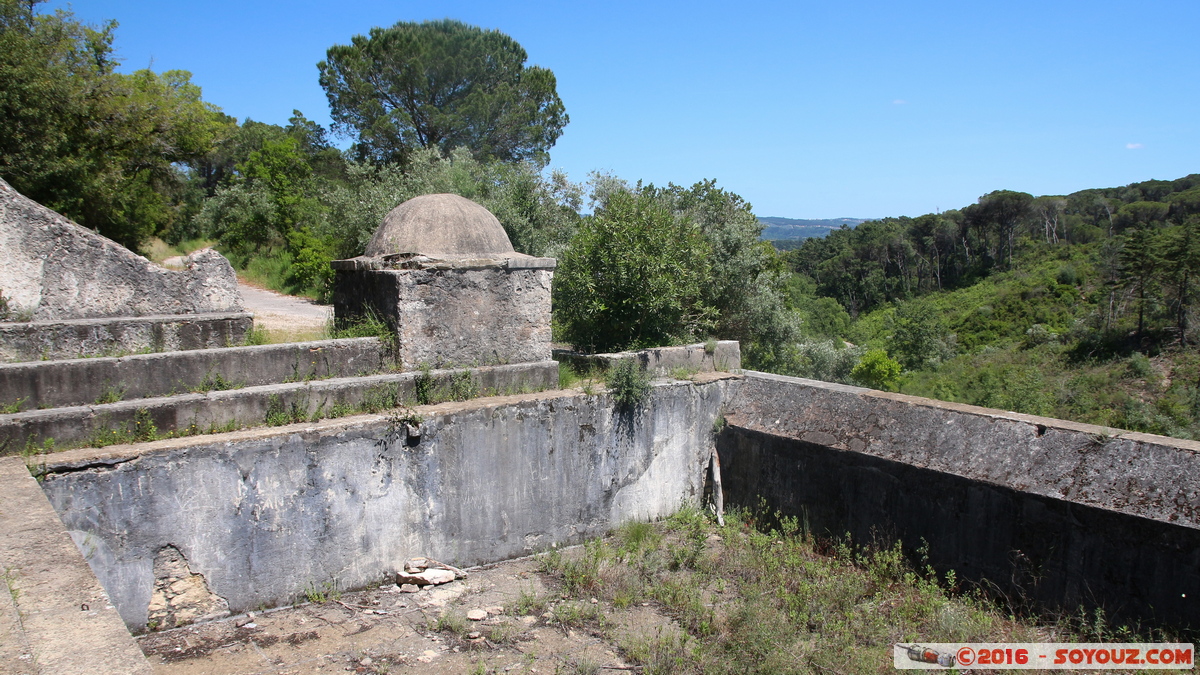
[{"x": 807, "y": 109}]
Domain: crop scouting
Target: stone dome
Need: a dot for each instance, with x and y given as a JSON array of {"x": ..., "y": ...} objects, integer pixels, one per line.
[{"x": 440, "y": 225}]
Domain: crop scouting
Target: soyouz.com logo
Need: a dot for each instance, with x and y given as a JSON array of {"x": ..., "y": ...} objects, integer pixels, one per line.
[{"x": 1036, "y": 655}]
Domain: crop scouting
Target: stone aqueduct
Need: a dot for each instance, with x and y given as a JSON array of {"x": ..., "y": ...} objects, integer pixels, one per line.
[{"x": 1065, "y": 514}]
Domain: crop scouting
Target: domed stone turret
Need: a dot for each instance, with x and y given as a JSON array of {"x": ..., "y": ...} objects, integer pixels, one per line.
[
  {"x": 442, "y": 273},
  {"x": 440, "y": 225}
]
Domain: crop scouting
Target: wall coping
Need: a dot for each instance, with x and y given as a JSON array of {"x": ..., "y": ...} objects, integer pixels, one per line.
[
  {"x": 108, "y": 320},
  {"x": 1139, "y": 474},
  {"x": 64, "y": 621}
]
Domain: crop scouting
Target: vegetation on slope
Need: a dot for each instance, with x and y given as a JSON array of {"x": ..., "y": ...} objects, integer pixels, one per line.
[{"x": 1076, "y": 307}]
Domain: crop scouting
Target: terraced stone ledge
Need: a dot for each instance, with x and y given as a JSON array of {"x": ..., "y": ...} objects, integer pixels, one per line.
[
  {"x": 265, "y": 405},
  {"x": 77, "y": 338},
  {"x": 80, "y": 382}
]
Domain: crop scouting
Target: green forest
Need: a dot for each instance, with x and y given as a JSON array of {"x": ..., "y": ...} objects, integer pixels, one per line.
[{"x": 1075, "y": 306}]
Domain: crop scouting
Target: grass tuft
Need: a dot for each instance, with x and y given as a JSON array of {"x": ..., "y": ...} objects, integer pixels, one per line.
[
  {"x": 451, "y": 622},
  {"x": 14, "y": 407},
  {"x": 111, "y": 394},
  {"x": 256, "y": 336}
]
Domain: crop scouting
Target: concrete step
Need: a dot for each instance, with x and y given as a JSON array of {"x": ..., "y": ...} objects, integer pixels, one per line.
[
  {"x": 82, "y": 382},
  {"x": 79, "y": 338},
  {"x": 717, "y": 355},
  {"x": 269, "y": 404}
]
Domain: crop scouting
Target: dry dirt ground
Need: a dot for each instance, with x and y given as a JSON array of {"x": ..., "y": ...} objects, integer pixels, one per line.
[
  {"x": 284, "y": 317},
  {"x": 385, "y": 630}
]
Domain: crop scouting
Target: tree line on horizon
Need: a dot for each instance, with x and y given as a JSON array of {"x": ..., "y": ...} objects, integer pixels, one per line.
[{"x": 900, "y": 258}]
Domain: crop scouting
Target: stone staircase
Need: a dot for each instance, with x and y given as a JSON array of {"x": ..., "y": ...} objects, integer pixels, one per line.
[{"x": 53, "y": 405}]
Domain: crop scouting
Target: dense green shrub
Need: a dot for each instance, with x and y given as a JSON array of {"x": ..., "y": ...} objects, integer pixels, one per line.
[
  {"x": 825, "y": 360},
  {"x": 877, "y": 371},
  {"x": 633, "y": 277}
]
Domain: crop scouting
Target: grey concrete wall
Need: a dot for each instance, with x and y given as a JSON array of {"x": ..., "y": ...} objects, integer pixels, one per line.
[
  {"x": 48, "y": 384},
  {"x": 262, "y": 514},
  {"x": 1041, "y": 511},
  {"x": 455, "y": 315},
  {"x": 726, "y": 356},
  {"x": 71, "y": 339},
  {"x": 249, "y": 406},
  {"x": 55, "y": 269},
  {"x": 1054, "y": 513}
]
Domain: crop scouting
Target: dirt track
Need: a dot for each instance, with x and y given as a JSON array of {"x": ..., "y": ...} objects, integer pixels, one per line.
[{"x": 285, "y": 315}]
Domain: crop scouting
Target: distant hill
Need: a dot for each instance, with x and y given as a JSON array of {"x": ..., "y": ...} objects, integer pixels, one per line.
[{"x": 800, "y": 229}]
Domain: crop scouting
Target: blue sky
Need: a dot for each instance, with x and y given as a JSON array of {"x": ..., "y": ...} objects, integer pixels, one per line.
[{"x": 806, "y": 109}]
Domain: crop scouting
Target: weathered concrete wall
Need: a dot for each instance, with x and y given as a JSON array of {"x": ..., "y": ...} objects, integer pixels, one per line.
[
  {"x": 726, "y": 356},
  {"x": 1052, "y": 512},
  {"x": 78, "y": 338},
  {"x": 59, "y": 270},
  {"x": 262, "y": 514},
  {"x": 1059, "y": 513},
  {"x": 250, "y": 406},
  {"x": 455, "y": 312},
  {"x": 49, "y": 384}
]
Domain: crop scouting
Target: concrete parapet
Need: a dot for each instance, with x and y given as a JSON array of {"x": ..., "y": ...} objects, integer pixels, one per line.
[
  {"x": 254, "y": 406},
  {"x": 48, "y": 384},
  {"x": 1143, "y": 475},
  {"x": 264, "y": 513},
  {"x": 75, "y": 338},
  {"x": 726, "y": 356},
  {"x": 54, "y": 615},
  {"x": 1048, "y": 512}
]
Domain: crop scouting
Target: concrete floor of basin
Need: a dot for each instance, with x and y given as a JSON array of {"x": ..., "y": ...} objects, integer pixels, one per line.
[{"x": 384, "y": 630}]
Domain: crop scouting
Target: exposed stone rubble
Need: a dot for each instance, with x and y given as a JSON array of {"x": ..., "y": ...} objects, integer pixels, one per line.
[
  {"x": 180, "y": 595},
  {"x": 419, "y": 572}
]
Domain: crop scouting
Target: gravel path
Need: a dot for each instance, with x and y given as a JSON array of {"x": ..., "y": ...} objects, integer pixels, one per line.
[
  {"x": 261, "y": 301},
  {"x": 273, "y": 311},
  {"x": 285, "y": 316}
]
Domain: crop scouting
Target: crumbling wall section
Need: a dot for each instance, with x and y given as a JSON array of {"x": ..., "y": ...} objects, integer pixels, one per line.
[
  {"x": 180, "y": 595},
  {"x": 55, "y": 270}
]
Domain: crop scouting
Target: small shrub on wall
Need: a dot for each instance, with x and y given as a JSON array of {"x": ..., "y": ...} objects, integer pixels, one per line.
[{"x": 629, "y": 382}]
